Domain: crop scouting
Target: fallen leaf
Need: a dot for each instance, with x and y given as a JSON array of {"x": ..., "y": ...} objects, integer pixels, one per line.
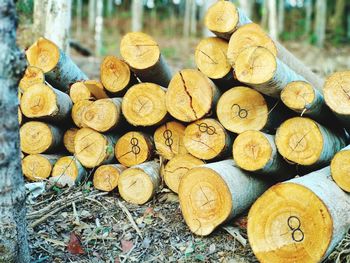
[
  {"x": 234, "y": 231},
  {"x": 241, "y": 222},
  {"x": 127, "y": 245},
  {"x": 74, "y": 246}
]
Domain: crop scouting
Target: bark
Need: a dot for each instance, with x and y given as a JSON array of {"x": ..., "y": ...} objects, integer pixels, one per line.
[
  {"x": 39, "y": 14},
  {"x": 136, "y": 15},
  {"x": 57, "y": 24},
  {"x": 92, "y": 14},
  {"x": 272, "y": 13},
  {"x": 13, "y": 236},
  {"x": 99, "y": 27},
  {"x": 320, "y": 22},
  {"x": 280, "y": 16}
]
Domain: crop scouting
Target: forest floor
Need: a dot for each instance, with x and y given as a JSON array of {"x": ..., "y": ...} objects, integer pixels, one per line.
[{"x": 83, "y": 225}]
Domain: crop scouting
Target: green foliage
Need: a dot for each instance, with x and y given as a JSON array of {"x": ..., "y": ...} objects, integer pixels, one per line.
[
  {"x": 169, "y": 52},
  {"x": 25, "y": 9}
]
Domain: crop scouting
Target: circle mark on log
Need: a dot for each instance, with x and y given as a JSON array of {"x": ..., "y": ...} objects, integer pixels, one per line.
[
  {"x": 205, "y": 128},
  {"x": 241, "y": 112},
  {"x": 294, "y": 225},
  {"x": 168, "y": 134}
]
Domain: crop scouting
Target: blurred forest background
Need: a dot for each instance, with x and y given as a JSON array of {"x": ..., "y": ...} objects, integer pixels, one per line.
[{"x": 318, "y": 31}]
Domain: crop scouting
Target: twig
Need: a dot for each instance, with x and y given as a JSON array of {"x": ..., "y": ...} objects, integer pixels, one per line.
[
  {"x": 77, "y": 221},
  {"x": 131, "y": 219},
  {"x": 97, "y": 202}
]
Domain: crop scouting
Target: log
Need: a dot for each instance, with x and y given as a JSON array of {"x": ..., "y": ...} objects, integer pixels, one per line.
[
  {"x": 134, "y": 148},
  {"x": 60, "y": 71},
  {"x": 207, "y": 139},
  {"x": 139, "y": 183},
  {"x": 142, "y": 54},
  {"x": 215, "y": 193},
  {"x": 103, "y": 115},
  {"x": 32, "y": 75},
  {"x": 78, "y": 110},
  {"x": 168, "y": 140},
  {"x": 249, "y": 35},
  {"x": 300, "y": 220},
  {"x": 340, "y": 169},
  {"x": 307, "y": 143},
  {"x": 38, "y": 167},
  {"x": 106, "y": 176},
  {"x": 211, "y": 60},
  {"x": 68, "y": 171},
  {"x": 177, "y": 167},
  {"x": 44, "y": 102},
  {"x": 68, "y": 139},
  {"x": 39, "y": 137},
  {"x": 144, "y": 105},
  {"x": 20, "y": 117},
  {"x": 260, "y": 69},
  {"x": 241, "y": 109},
  {"x": 223, "y": 18},
  {"x": 256, "y": 152},
  {"x": 303, "y": 98},
  {"x": 87, "y": 90},
  {"x": 191, "y": 95},
  {"x": 93, "y": 149},
  {"x": 336, "y": 95},
  {"x": 116, "y": 75}
]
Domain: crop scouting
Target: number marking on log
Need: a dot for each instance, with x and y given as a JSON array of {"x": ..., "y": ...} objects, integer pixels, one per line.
[
  {"x": 135, "y": 148},
  {"x": 205, "y": 128},
  {"x": 168, "y": 134},
  {"x": 297, "y": 233},
  {"x": 241, "y": 112}
]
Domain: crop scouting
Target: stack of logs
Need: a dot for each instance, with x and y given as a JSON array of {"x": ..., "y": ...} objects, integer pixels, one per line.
[{"x": 251, "y": 116}]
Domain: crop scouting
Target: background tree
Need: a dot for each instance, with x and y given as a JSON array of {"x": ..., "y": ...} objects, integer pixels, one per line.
[
  {"x": 13, "y": 235},
  {"x": 272, "y": 18},
  {"x": 92, "y": 14},
  {"x": 320, "y": 22},
  {"x": 136, "y": 15}
]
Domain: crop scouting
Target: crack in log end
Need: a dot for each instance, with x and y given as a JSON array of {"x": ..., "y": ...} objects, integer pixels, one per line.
[
  {"x": 132, "y": 184},
  {"x": 188, "y": 94},
  {"x": 178, "y": 168},
  {"x": 210, "y": 148},
  {"x": 205, "y": 54}
]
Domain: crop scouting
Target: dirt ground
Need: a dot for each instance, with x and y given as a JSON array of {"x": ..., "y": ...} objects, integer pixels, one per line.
[{"x": 111, "y": 230}]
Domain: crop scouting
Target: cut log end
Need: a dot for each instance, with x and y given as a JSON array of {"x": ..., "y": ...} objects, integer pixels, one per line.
[
  {"x": 20, "y": 117},
  {"x": 92, "y": 148},
  {"x": 336, "y": 92},
  {"x": 134, "y": 148},
  {"x": 210, "y": 57},
  {"x": 177, "y": 167},
  {"x": 241, "y": 108},
  {"x": 190, "y": 95},
  {"x": 279, "y": 227},
  {"x": 78, "y": 91},
  {"x": 252, "y": 151},
  {"x": 32, "y": 75},
  {"x": 96, "y": 89},
  {"x": 115, "y": 74},
  {"x": 78, "y": 110},
  {"x": 246, "y": 36},
  {"x": 340, "y": 167},
  {"x": 36, "y": 137},
  {"x": 222, "y": 18},
  {"x": 68, "y": 139},
  {"x": 139, "y": 50},
  {"x": 36, "y": 167},
  {"x": 206, "y": 139},
  {"x": 39, "y": 101},
  {"x": 102, "y": 115},
  {"x": 300, "y": 141},
  {"x": 106, "y": 177},
  {"x": 144, "y": 105},
  {"x": 68, "y": 171},
  {"x": 205, "y": 200},
  {"x": 168, "y": 140},
  {"x": 43, "y": 54},
  {"x": 298, "y": 95},
  {"x": 255, "y": 65}
]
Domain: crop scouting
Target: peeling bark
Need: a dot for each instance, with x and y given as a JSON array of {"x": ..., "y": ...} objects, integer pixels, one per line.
[{"x": 13, "y": 236}]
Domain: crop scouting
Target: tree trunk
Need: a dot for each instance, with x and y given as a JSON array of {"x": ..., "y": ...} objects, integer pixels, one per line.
[
  {"x": 223, "y": 193},
  {"x": 273, "y": 28},
  {"x": 134, "y": 148},
  {"x": 207, "y": 139},
  {"x": 205, "y": 6},
  {"x": 308, "y": 18},
  {"x": 79, "y": 18},
  {"x": 136, "y": 15},
  {"x": 58, "y": 21},
  {"x": 280, "y": 16},
  {"x": 320, "y": 22},
  {"x": 264, "y": 13},
  {"x": 110, "y": 8},
  {"x": 191, "y": 95},
  {"x": 301, "y": 220},
  {"x": 13, "y": 242},
  {"x": 168, "y": 140},
  {"x": 187, "y": 18},
  {"x": 39, "y": 15},
  {"x": 139, "y": 183},
  {"x": 247, "y": 7},
  {"x": 99, "y": 28},
  {"x": 92, "y": 14},
  {"x": 193, "y": 26},
  {"x": 339, "y": 15}
]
